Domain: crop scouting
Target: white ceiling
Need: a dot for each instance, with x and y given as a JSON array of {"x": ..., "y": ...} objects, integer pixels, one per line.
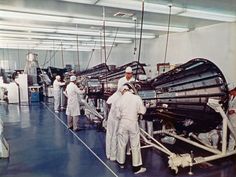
[{"x": 56, "y": 24}]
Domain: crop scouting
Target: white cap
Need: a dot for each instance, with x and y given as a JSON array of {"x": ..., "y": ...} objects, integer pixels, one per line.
[
  {"x": 124, "y": 87},
  {"x": 128, "y": 70},
  {"x": 72, "y": 78},
  {"x": 58, "y": 77}
]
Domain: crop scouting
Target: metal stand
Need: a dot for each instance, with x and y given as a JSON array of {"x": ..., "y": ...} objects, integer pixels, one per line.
[
  {"x": 4, "y": 146},
  {"x": 185, "y": 160}
]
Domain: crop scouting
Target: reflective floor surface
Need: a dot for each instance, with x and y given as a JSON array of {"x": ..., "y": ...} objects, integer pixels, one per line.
[{"x": 42, "y": 146}]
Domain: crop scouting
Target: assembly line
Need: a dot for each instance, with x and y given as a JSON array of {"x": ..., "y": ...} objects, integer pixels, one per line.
[
  {"x": 149, "y": 117},
  {"x": 103, "y": 88}
]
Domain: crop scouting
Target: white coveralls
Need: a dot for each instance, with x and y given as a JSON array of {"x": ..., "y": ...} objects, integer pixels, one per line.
[
  {"x": 73, "y": 105},
  {"x": 232, "y": 118},
  {"x": 128, "y": 108},
  {"x": 112, "y": 126},
  {"x": 123, "y": 80},
  {"x": 57, "y": 94}
]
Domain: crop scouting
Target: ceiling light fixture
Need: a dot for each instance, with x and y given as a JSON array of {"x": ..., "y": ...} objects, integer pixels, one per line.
[
  {"x": 76, "y": 20},
  {"x": 63, "y": 30},
  {"x": 208, "y": 15},
  {"x": 25, "y": 35},
  {"x": 163, "y": 28},
  {"x": 33, "y": 16},
  {"x": 28, "y": 47}
]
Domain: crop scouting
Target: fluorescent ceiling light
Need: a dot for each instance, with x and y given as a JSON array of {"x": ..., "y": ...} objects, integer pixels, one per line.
[
  {"x": 41, "y": 48},
  {"x": 208, "y": 15},
  {"x": 96, "y": 22},
  {"x": 27, "y": 28},
  {"x": 35, "y": 47},
  {"x": 164, "y": 28},
  {"x": 100, "y": 23},
  {"x": 34, "y": 36},
  {"x": 81, "y": 1},
  {"x": 32, "y": 16},
  {"x": 30, "y": 36},
  {"x": 63, "y": 30},
  {"x": 118, "y": 41}
]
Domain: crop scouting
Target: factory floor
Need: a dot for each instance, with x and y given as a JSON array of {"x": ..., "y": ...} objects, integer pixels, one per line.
[{"x": 42, "y": 146}]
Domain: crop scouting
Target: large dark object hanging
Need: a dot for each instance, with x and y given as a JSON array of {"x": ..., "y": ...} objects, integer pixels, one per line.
[{"x": 183, "y": 93}]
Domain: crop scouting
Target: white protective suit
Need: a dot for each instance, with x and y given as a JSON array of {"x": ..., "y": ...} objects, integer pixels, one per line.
[
  {"x": 128, "y": 108},
  {"x": 57, "y": 94},
  {"x": 232, "y": 118},
  {"x": 112, "y": 126},
  {"x": 73, "y": 104},
  {"x": 123, "y": 80}
]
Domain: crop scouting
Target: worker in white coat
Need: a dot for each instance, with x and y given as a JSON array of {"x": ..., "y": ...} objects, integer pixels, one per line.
[
  {"x": 127, "y": 78},
  {"x": 72, "y": 93},
  {"x": 57, "y": 84},
  {"x": 129, "y": 106},
  {"x": 112, "y": 126},
  {"x": 232, "y": 116}
]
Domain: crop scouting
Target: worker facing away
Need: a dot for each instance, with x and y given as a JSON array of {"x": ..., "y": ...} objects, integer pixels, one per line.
[
  {"x": 127, "y": 78},
  {"x": 72, "y": 93},
  {"x": 112, "y": 126},
  {"x": 129, "y": 107},
  {"x": 57, "y": 84}
]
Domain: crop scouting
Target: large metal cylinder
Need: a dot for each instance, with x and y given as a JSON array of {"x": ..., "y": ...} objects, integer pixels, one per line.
[{"x": 183, "y": 93}]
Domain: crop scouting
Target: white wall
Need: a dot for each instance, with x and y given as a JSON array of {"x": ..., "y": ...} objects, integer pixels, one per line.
[
  {"x": 216, "y": 43},
  {"x": 16, "y": 59}
]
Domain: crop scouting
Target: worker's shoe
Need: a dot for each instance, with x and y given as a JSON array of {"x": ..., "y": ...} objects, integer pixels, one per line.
[
  {"x": 70, "y": 127},
  {"x": 122, "y": 166},
  {"x": 142, "y": 169},
  {"x": 112, "y": 159},
  {"x": 56, "y": 111},
  {"x": 128, "y": 152}
]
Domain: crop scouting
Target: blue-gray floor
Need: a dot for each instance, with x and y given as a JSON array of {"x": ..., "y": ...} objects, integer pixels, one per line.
[{"x": 42, "y": 146}]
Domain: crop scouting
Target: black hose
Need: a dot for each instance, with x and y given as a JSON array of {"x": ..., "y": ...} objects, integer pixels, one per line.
[{"x": 140, "y": 39}]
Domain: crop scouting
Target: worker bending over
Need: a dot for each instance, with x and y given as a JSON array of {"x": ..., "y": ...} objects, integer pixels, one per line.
[
  {"x": 129, "y": 107},
  {"x": 72, "y": 93}
]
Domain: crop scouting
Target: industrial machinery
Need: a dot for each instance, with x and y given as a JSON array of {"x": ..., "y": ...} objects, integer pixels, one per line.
[
  {"x": 110, "y": 80},
  {"x": 101, "y": 82},
  {"x": 191, "y": 101},
  {"x": 183, "y": 93},
  {"x": 31, "y": 68},
  {"x": 186, "y": 103}
]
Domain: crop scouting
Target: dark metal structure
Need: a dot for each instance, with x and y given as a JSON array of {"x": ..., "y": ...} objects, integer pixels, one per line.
[
  {"x": 103, "y": 79},
  {"x": 183, "y": 93}
]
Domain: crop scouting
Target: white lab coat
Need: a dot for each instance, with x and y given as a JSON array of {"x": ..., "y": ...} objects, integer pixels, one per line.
[
  {"x": 128, "y": 108},
  {"x": 122, "y": 81},
  {"x": 73, "y": 106},
  {"x": 72, "y": 93},
  {"x": 112, "y": 126},
  {"x": 232, "y": 118},
  {"x": 57, "y": 94}
]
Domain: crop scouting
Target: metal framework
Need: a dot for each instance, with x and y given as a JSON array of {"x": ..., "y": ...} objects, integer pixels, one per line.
[
  {"x": 187, "y": 159},
  {"x": 4, "y": 146}
]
